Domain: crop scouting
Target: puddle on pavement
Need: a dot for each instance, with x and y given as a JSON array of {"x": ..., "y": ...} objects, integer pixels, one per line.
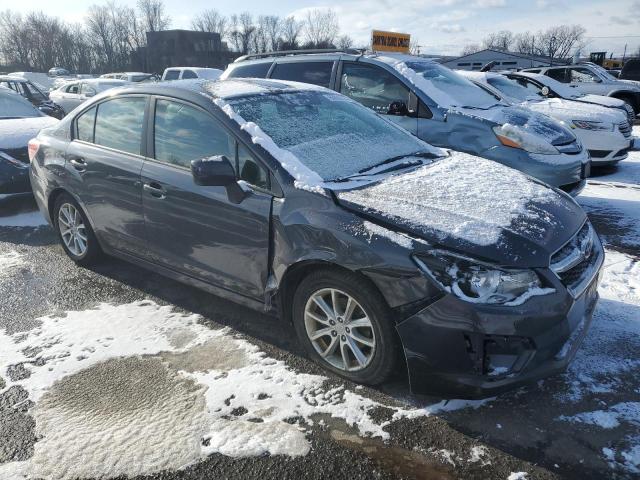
[
  {"x": 126, "y": 416},
  {"x": 396, "y": 460},
  {"x": 215, "y": 354}
]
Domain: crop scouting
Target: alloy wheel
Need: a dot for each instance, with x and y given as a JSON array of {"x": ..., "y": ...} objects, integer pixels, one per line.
[
  {"x": 72, "y": 229},
  {"x": 339, "y": 329}
]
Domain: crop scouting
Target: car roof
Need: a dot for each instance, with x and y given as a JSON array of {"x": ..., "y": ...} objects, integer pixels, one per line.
[
  {"x": 224, "y": 89},
  {"x": 388, "y": 58},
  {"x": 196, "y": 69},
  {"x": 13, "y": 78}
]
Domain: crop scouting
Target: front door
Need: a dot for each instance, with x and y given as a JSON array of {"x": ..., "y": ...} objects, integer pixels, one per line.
[
  {"x": 197, "y": 230},
  {"x": 382, "y": 92},
  {"x": 104, "y": 161}
]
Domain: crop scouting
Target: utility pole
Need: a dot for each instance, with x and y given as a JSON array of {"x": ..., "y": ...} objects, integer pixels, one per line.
[{"x": 625, "y": 52}]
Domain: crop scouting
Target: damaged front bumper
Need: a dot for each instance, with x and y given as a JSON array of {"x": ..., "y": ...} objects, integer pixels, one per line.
[{"x": 460, "y": 350}]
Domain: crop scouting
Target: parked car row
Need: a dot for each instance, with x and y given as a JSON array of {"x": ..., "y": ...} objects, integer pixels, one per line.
[{"x": 314, "y": 186}]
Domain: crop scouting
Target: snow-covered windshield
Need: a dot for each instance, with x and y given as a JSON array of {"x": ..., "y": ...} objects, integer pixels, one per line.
[
  {"x": 328, "y": 133},
  {"x": 14, "y": 106},
  {"x": 447, "y": 88},
  {"x": 511, "y": 88}
]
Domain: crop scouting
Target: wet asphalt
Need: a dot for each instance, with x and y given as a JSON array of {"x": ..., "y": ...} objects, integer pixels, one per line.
[{"x": 518, "y": 429}]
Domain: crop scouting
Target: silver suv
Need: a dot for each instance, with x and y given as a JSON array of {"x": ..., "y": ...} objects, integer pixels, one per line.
[
  {"x": 437, "y": 105},
  {"x": 589, "y": 78}
]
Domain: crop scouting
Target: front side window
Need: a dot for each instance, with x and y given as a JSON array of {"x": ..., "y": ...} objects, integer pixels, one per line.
[
  {"x": 73, "y": 88},
  {"x": 256, "y": 70},
  {"x": 86, "y": 89},
  {"x": 119, "y": 124},
  {"x": 184, "y": 133},
  {"x": 189, "y": 74},
  {"x": 316, "y": 126},
  {"x": 316, "y": 73},
  {"x": 373, "y": 87},
  {"x": 172, "y": 75},
  {"x": 583, "y": 75},
  {"x": 85, "y": 124}
]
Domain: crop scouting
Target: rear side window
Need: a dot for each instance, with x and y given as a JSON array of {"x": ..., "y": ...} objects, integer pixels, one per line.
[
  {"x": 119, "y": 124},
  {"x": 189, "y": 74},
  {"x": 85, "y": 124},
  {"x": 317, "y": 73},
  {"x": 172, "y": 75},
  {"x": 255, "y": 70},
  {"x": 72, "y": 88},
  {"x": 558, "y": 74},
  {"x": 183, "y": 133}
]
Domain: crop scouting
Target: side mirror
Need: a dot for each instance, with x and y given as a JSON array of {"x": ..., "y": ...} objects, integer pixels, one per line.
[
  {"x": 217, "y": 171},
  {"x": 545, "y": 91},
  {"x": 398, "y": 108}
]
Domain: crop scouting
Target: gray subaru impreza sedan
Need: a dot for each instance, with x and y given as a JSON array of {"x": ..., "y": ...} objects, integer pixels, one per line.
[{"x": 383, "y": 251}]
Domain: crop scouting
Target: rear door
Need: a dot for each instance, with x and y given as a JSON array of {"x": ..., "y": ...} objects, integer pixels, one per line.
[
  {"x": 196, "y": 230},
  {"x": 104, "y": 162},
  {"x": 382, "y": 92}
]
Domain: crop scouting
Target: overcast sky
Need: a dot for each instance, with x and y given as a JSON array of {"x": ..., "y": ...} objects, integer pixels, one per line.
[{"x": 442, "y": 27}]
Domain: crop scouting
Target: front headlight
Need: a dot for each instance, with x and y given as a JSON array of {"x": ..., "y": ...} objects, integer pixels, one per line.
[
  {"x": 476, "y": 282},
  {"x": 515, "y": 137},
  {"x": 597, "y": 126}
]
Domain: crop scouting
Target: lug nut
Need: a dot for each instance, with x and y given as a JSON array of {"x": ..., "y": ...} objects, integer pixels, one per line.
[
  {"x": 340, "y": 319},
  {"x": 334, "y": 333},
  {"x": 331, "y": 322},
  {"x": 343, "y": 338},
  {"x": 347, "y": 330}
]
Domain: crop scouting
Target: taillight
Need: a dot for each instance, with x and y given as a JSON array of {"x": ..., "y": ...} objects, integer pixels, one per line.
[{"x": 33, "y": 147}]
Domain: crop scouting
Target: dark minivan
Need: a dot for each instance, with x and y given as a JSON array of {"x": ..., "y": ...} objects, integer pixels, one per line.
[{"x": 294, "y": 199}]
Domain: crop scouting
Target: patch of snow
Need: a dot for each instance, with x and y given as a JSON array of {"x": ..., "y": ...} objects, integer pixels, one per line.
[
  {"x": 395, "y": 237},
  {"x": 518, "y": 476},
  {"x": 474, "y": 212},
  {"x": 115, "y": 384},
  {"x": 628, "y": 412},
  {"x": 25, "y": 219},
  {"x": 478, "y": 454},
  {"x": 16, "y": 132},
  {"x": 10, "y": 261}
]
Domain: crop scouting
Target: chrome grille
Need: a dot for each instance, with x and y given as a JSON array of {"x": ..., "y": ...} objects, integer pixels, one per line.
[
  {"x": 625, "y": 129},
  {"x": 573, "y": 263},
  {"x": 631, "y": 115}
]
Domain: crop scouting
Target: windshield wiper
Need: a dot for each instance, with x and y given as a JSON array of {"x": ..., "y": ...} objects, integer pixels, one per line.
[
  {"x": 399, "y": 166},
  {"x": 399, "y": 157}
]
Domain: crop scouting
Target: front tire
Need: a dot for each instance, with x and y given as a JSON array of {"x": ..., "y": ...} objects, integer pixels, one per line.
[
  {"x": 74, "y": 231},
  {"x": 345, "y": 326}
]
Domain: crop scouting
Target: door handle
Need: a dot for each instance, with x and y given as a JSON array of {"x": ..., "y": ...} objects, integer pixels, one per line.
[
  {"x": 78, "y": 163},
  {"x": 154, "y": 189}
]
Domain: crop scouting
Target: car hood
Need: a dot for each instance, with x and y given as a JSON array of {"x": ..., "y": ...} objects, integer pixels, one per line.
[
  {"x": 632, "y": 83},
  {"x": 16, "y": 133},
  {"x": 568, "y": 110},
  {"x": 531, "y": 122},
  {"x": 601, "y": 100},
  {"x": 473, "y": 206}
]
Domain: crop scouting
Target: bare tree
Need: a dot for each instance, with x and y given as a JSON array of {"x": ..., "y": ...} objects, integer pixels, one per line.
[
  {"x": 558, "y": 42},
  {"x": 211, "y": 21},
  {"x": 344, "y": 42},
  {"x": 272, "y": 26},
  {"x": 15, "y": 39},
  {"x": 527, "y": 43},
  {"x": 321, "y": 28},
  {"x": 470, "y": 48},
  {"x": 290, "y": 32},
  {"x": 499, "y": 40},
  {"x": 241, "y": 31},
  {"x": 153, "y": 16}
]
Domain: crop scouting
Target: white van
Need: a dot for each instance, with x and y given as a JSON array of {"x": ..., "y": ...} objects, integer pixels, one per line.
[{"x": 184, "y": 73}]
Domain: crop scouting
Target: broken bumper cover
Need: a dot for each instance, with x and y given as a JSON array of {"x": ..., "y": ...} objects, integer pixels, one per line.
[{"x": 460, "y": 350}]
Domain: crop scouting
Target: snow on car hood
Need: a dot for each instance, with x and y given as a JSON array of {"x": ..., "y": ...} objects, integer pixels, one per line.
[
  {"x": 568, "y": 110},
  {"x": 472, "y": 203},
  {"x": 601, "y": 100},
  {"x": 524, "y": 119},
  {"x": 16, "y": 133}
]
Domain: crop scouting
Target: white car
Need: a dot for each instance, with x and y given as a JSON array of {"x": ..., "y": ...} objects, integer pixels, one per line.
[
  {"x": 73, "y": 93},
  {"x": 605, "y": 132},
  {"x": 130, "y": 76},
  {"x": 591, "y": 78},
  {"x": 19, "y": 122},
  {"x": 184, "y": 73},
  {"x": 554, "y": 89}
]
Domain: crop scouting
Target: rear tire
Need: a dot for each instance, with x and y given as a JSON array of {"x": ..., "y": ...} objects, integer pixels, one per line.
[
  {"x": 74, "y": 231},
  {"x": 345, "y": 326}
]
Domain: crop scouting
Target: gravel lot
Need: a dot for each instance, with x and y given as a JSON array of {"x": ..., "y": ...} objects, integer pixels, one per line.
[{"x": 116, "y": 372}]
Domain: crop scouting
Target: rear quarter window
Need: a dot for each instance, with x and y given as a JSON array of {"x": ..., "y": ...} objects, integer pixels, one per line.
[
  {"x": 316, "y": 73},
  {"x": 255, "y": 70},
  {"x": 172, "y": 75},
  {"x": 189, "y": 74}
]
